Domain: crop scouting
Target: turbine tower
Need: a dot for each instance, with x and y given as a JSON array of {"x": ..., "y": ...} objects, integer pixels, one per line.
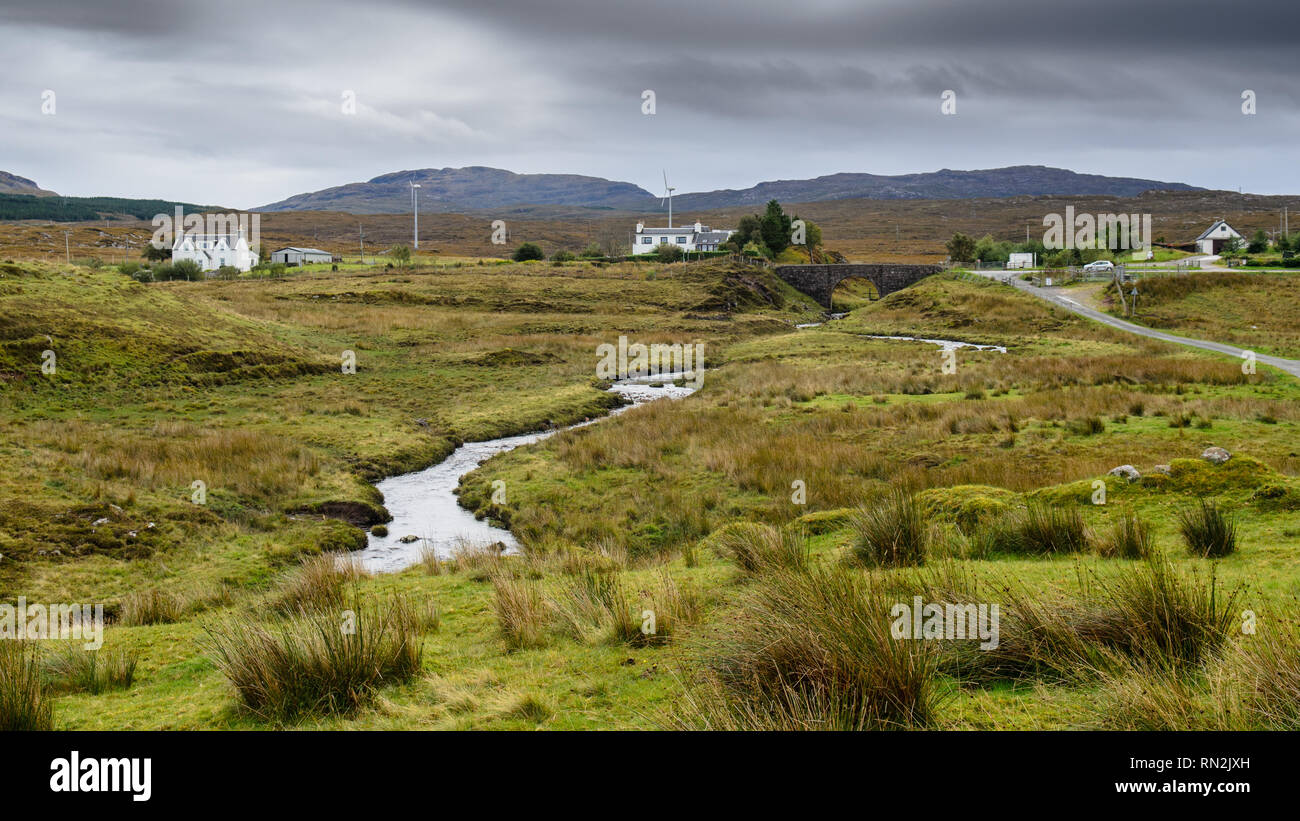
[
  {"x": 415, "y": 202},
  {"x": 668, "y": 195}
]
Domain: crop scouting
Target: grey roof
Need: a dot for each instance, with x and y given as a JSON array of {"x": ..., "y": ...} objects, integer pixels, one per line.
[
  {"x": 1216, "y": 224},
  {"x": 712, "y": 236},
  {"x": 302, "y": 250}
]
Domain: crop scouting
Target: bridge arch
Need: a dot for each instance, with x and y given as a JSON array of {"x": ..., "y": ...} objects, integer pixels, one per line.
[{"x": 819, "y": 281}]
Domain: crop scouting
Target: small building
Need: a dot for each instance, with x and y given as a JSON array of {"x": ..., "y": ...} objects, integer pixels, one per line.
[
  {"x": 213, "y": 251},
  {"x": 300, "y": 256},
  {"x": 1213, "y": 239},
  {"x": 1022, "y": 260},
  {"x": 697, "y": 237}
]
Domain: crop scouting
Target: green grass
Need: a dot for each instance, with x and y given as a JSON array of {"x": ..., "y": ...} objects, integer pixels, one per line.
[{"x": 684, "y": 509}]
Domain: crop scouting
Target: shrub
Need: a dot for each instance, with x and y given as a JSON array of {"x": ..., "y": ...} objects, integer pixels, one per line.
[
  {"x": 891, "y": 533},
  {"x": 528, "y": 251},
  {"x": 1129, "y": 537},
  {"x": 312, "y": 663},
  {"x": 667, "y": 252},
  {"x": 90, "y": 671},
  {"x": 1208, "y": 530},
  {"x": 186, "y": 269},
  {"x": 379, "y": 530},
  {"x": 25, "y": 703},
  {"x": 563, "y": 256}
]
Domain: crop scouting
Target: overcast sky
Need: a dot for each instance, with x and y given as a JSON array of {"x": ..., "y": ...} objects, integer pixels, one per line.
[{"x": 239, "y": 103}]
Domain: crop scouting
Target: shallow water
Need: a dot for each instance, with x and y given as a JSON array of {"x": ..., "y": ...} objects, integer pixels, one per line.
[{"x": 424, "y": 503}]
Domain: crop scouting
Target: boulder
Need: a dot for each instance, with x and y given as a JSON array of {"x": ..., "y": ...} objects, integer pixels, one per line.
[
  {"x": 1129, "y": 472},
  {"x": 1216, "y": 455},
  {"x": 1163, "y": 470},
  {"x": 408, "y": 538}
]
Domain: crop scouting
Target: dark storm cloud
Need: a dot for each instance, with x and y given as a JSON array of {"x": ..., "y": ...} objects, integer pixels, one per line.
[{"x": 238, "y": 102}]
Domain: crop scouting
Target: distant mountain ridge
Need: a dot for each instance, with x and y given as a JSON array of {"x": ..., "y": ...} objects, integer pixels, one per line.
[
  {"x": 14, "y": 184},
  {"x": 478, "y": 188}
]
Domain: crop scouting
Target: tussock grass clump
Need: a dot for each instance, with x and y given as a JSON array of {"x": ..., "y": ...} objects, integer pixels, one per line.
[
  {"x": 756, "y": 547},
  {"x": 1208, "y": 530},
  {"x": 479, "y": 562},
  {"x": 317, "y": 661},
  {"x": 814, "y": 651},
  {"x": 1129, "y": 537},
  {"x": 1269, "y": 671},
  {"x": 1150, "y": 615},
  {"x": 1161, "y": 615},
  {"x": 532, "y": 708},
  {"x": 598, "y": 605},
  {"x": 1038, "y": 529},
  {"x": 25, "y": 702},
  {"x": 430, "y": 561},
  {"x": 1159, "y": 698},
  {"x": 152, "y": 606},
  {"x": 1051, "y": 529},
  {"x": 521, "y": 610},
  {"x": 893, "y": 532},
  {"x": 319, "y": 582},
  {"x": 74, "y": 669}
]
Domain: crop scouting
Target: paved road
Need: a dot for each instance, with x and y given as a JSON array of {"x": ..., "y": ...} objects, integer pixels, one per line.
[{"x": 1060, "y": 296}]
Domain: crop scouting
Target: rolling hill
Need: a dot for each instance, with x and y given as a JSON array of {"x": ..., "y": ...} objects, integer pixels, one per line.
[{"x": 478, "y": 188}]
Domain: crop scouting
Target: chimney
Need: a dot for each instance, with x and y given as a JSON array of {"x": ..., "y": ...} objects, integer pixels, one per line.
[{"x": 640, "y": 226}]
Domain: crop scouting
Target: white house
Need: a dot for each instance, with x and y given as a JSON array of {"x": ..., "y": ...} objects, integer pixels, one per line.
[
  {"x": 212, "y": 251},
  {"x": 1214, "y": 238},
  {"x": 695, "y": 237},
  {"x": 298, "y": 256}
]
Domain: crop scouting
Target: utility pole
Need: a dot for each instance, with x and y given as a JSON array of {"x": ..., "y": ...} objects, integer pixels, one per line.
[
  {"x": 361, "y": 237},
  {"x": 67, "y": 249}
]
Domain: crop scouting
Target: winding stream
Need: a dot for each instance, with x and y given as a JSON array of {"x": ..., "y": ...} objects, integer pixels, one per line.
[{"x": 424, "y": 504}]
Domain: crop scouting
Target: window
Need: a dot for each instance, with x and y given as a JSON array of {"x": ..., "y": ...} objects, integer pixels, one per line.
[
  {"x": 663, "y": 240},
  {"x": 647, "y": 241},
  {"x": 681, "y": 240}
]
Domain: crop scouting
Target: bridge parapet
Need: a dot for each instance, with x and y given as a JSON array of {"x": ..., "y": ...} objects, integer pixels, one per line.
[{"x": 819, "y": 281}]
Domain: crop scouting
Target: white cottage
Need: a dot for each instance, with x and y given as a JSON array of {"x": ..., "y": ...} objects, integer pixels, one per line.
[
  {"x": 1213, "y": 239},
  {"x": 695, "y": 237},
  {"x": 212, "y": 251}
]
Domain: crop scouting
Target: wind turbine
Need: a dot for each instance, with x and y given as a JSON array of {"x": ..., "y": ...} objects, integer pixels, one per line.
[
  {"x": 668, "y": 195},
  {"x": 415, "y": 203}
]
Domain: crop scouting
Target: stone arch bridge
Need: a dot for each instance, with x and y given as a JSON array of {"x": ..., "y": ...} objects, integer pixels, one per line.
[{"x": 819, "y": 281}]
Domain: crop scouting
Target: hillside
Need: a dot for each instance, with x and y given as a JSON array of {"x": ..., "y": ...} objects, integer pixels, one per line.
[
  {"x": 14, "y": 184},
  {"x": 478, "y": 188}
]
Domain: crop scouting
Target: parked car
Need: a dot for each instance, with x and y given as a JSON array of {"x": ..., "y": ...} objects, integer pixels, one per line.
[{"x": 1100, "y": 265}]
